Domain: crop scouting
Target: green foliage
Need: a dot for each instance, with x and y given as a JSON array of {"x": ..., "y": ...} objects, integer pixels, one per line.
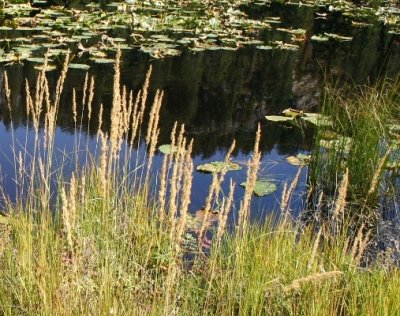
[
  {"x": 262, "y": 187},
  {"x": 359, "y": 139},
  {"x": 120, "y": 263},
  {"x": 218, "y": 166}
]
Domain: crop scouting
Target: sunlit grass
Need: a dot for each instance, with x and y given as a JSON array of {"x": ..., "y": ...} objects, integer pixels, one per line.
[{"x": 98, "y": 245}]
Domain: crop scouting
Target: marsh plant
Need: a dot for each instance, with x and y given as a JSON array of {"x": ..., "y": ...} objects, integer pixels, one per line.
[
  {"x": 360, "y": 147},
  {"x": 100, "y": 241}
]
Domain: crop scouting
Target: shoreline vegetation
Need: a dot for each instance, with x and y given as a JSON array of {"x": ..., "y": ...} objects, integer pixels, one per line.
[{"x": 99, "y": 242}]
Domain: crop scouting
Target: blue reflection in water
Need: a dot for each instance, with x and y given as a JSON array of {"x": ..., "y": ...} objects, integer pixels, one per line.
[{"x": 67, "y": 156}]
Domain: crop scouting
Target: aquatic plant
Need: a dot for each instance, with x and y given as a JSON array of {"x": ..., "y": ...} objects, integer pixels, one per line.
[
  {"x": 166, "y": 28},
  {"x": 359, "y": 141}
]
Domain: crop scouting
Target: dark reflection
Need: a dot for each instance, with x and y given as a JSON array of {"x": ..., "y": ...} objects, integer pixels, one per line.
[
  {"x": 221, "y": 95},
  {"x": 217, "y": 95}
]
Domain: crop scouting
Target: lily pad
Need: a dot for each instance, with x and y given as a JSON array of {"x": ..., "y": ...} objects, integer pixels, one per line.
[
  {"x": 168, "y": 149},
  {"x": 79, "y": 66},
  {"x": 264, "y": 47},
  {"x": 279, "y": 118},
  {"x": 342, "y": 144},
  {"x": 319, "y": 38},
  {"x": 339, "y": 37},
  {"x": 45, "y": 68},
  {"x": 317, "y": 119},
  {"x": 262, "y": 187},
  {"x": 218, "y": 166},
  {"x": 299, "y": 160},
  {"x": 292, "y": 112},
  {"x": 38, "y": 60},
  {"x": 103, "y": 60}
]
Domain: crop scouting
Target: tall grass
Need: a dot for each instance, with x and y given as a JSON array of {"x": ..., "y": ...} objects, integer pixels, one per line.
[
  {"x": 359, "y": 144},
  {"x": 98, "y": 243}
]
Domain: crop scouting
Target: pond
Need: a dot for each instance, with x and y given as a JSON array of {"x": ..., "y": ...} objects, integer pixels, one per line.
[{"x": 219, "y": 83}]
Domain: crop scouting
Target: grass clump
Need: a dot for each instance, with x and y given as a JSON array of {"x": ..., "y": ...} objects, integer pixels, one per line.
[
  {"x": 359, "y": 144},
  {"x": 98, "y": 242}
]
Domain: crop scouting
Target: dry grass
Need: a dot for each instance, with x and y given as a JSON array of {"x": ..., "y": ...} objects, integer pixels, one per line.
[{"x": 100, "y": 244}]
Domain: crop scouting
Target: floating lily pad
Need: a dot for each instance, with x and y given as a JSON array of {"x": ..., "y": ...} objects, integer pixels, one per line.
[
  {"x": 279, "y": 118},
  {"x": 264, "y": 47},
  {"x": 330, "y": 135},
  {"x": 317, "y": 119},
  {"x": 218, "y": 166},
  {"x": 262, "y": 187},
  {"x": 319, "y": 38},
  {"x": 38, "y": 60},
  {"x": 291, "y": 47},
  {"x": 299, "y": 160},
  {"x": 229, "y": 48},
  {"x": 45, "y": 68},
  {"x": 342, "y": 144},
  {"x": 31, "y": 47},
  {"x": 103, "y": 60},
  {"x": 162, "y": 38},
  {"x": 168, "y": 149},
  {"x": 197, "y": 49},
  {"x": 338, "y": 37},
  {"x": 292, "y": 112},
  {"x": 79, "y": 66}
]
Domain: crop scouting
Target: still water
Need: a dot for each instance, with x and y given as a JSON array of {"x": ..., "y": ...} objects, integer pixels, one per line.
[{"x": 219, "y": 95}]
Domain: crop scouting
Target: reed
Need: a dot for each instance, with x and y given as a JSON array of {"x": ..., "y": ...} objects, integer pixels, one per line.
[{"x": 354, "y": 152}]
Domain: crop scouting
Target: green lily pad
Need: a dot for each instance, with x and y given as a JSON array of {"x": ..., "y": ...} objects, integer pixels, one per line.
[
  {"x": 262, "y": 187},
  {"x": 264, "y": 47},
  {"x": 45, "y": 68},
  {"x": 317, "y": 119},
  {"x": 218, "y": 166},
  {"x": 291, "y": 47},
  {"x": 103, "y": 60},
  {"x": 168, "y": 149},
  {"x": 299, "y": 160},
  {"x": 79, "y": 66},
  {"x": 279, "y": 118},
  {"x": 292, "y": 112},
  {"x": 341, "y": 144},
  {"x": 339, "y": 37},
  {"x": 319, "y": 38},
  {"x": 38, "y": 60}
]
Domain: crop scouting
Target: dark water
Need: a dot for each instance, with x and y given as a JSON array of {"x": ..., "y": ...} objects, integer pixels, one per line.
[{"x": 222, "y": 95}]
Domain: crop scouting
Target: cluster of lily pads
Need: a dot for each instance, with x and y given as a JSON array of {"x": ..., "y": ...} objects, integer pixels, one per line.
[
  {"x": 153, "y": 27},
  {"x": 331, "y": 140},
  {"x": 293, "y": 115},
  {"x": 262, "y": 187},
  {"x": 361, "y": 14},
  {"x": 159, "y": 28}
]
